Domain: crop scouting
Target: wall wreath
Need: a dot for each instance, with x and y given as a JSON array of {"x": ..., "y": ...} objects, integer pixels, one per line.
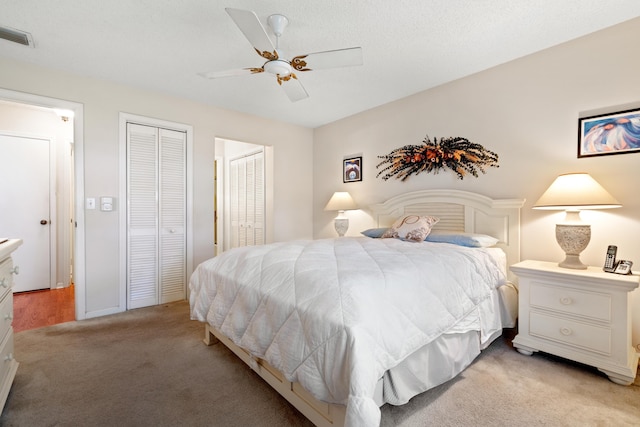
[{"x": 456, "y": 153}]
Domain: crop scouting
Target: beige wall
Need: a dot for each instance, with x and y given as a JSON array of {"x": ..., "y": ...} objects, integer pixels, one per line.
[
  {"x": 102, "y": 103},
  {"x": 527, "y": 111}
]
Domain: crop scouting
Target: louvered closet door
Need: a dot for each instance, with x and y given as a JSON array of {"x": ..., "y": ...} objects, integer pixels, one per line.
[
  {"x": 256, "y": 194},
  {"x": 156, "y": 212},
  {"x": 234, "y": 208},
  {"x": 172, "y": 215},
  {"x": 246, "y": 175},
  {"x": 250, "y": 203},
  {"x": 142, "y": 218}
]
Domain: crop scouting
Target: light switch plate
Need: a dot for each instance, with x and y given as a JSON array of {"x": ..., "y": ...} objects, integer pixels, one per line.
[{"x": 106, "y": 204}]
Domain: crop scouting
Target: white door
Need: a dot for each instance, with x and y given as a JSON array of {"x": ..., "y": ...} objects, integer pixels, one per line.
[
  {"x": 156, "y": 215},
  {"x": 25, "y": 210}
]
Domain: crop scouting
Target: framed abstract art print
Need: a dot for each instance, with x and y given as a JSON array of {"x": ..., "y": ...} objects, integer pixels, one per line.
[{"x": 614, "y": 133}]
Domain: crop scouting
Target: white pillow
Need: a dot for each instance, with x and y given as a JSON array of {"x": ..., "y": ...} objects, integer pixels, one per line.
[{"x": 411, "y": 227}]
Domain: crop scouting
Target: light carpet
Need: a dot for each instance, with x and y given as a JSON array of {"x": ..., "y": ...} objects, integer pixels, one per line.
[{"x": 149, "y": 367}]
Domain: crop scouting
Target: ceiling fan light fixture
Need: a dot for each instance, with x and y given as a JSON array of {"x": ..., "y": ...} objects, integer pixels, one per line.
[{"x": 278, "y": 67}]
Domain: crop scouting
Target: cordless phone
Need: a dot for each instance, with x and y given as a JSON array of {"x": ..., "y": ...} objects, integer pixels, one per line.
[{"x": 610, "y": 260}]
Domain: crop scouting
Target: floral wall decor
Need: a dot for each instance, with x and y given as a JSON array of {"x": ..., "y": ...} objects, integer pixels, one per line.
[{"x": 456, "y": 153}]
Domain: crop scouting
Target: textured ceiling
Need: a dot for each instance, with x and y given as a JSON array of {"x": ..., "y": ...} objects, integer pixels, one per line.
[{"x": 408, "y": 46}]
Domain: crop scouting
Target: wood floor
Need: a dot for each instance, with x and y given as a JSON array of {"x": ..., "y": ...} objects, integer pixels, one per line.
[{"x": 36, "y": 309}]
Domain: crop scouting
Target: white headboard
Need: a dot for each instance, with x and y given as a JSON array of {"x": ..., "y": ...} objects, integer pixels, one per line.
[{"x": 460, "y": 211}]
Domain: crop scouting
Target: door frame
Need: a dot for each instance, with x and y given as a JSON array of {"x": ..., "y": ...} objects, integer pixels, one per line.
[
  {"x": 78, "y": 164},
  {"x": 123, "y": 119}
]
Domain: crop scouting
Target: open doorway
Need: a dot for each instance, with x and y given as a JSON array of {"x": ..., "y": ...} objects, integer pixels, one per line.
[
  {"x": 60, "y": 123},
  {"x": 243, "y": 194},
  {"x": 36, "y": 183}
]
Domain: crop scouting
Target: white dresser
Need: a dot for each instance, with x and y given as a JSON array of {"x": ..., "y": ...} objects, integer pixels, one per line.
[
  {"x": 8, "y": 364},
  {"x": 582, "y": 315}
]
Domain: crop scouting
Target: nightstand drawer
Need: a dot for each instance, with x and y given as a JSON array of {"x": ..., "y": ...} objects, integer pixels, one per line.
[
  {"x": 6, "y": 314},
  {"x": 6, "y": 356},
  {"x": 589, "y": 337},
  {"x": 6, "y": 278},
  {"x": 571, "y": 301}
]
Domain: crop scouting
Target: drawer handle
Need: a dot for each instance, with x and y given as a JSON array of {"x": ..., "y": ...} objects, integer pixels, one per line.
[
  {"x": 4, "y": 283},
  {"x": 15, "y": 270},
  {"x": 566, "y": 331},
  {"x": 8, "y": 357},
  {"x": 566, "y": 301},
  {"x": 8, "y": 316}
]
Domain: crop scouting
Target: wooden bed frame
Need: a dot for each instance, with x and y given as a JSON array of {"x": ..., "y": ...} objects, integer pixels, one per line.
[{"x": 458, "y": 211}]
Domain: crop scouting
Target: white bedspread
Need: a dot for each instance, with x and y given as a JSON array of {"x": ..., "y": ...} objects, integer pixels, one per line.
[{"x": 335, "y": 314}]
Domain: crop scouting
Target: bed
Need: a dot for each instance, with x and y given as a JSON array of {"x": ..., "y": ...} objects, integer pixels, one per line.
[{"x": 342, "y": 326}]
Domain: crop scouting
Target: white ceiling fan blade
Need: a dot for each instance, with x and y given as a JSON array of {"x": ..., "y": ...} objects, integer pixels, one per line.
[
  {"x": 328, "y": 59},
  {"x": 253, "y": 30},
  {"x": 293, "y": 88},
  {"x": 231, "y": 73}
]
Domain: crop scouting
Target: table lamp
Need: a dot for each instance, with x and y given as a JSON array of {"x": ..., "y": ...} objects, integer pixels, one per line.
[
  {"x": 572, "y": 193},
  {"x": 341, "y": 201}
]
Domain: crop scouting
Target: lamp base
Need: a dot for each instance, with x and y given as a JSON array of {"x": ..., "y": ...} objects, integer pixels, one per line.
[
  {"x": 572, "y": 261},
  {"x": 341, "y": 225},
  {"x": 573, "y": 239}
]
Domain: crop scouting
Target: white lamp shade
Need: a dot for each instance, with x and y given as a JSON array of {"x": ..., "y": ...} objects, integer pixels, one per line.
[
  {"x": 340, "y": 201},
  {"x": 576, "y": 191}
]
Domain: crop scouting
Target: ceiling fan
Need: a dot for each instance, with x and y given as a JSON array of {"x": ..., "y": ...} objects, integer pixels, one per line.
[{"x": 283, "y": 69}]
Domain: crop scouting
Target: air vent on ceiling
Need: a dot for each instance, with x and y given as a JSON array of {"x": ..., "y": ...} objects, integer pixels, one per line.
[{"x": 16, "y": 36}]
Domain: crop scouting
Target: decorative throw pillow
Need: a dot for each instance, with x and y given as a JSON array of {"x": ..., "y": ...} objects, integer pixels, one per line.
[{"x": 411, "y": 227}]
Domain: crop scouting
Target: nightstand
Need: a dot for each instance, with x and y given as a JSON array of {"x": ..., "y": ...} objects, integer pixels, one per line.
[{"x": 582, "y": 315}]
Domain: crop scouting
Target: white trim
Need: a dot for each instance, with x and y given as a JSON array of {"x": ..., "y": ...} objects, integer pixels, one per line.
[
  {"x": 79, "y": 269},
  {"x": 66, "y": 198},
  {"x": 103, "y": 312},
  {"x": 125, "y": 118},
  {"x": 53, "y": 213}
]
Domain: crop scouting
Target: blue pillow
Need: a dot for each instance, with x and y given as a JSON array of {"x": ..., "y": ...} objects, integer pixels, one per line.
[
  {"x": 374, "y": 233},
  {"x": 472, "y": 240}
]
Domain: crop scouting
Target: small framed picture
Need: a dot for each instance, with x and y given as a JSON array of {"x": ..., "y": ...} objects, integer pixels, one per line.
[
  {"x": 352, "y": 169},
  {"x": 614, "y": 133}
]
